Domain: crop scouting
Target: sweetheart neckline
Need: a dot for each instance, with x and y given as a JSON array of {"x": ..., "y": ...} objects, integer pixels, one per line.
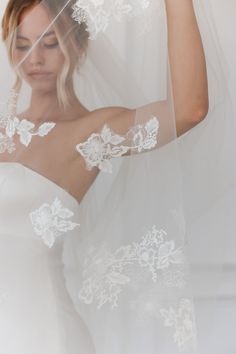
[{"x": 43, "y": 178}]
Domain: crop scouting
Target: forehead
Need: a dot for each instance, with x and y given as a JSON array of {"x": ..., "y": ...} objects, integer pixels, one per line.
[{"x": 34, "y": 22}]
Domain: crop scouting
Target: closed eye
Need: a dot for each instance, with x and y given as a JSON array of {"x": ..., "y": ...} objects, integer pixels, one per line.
[
  {"x": 53, "y": 45},
  {"x": 23, "y": 47},
  {"x": 27, "y": 47}
]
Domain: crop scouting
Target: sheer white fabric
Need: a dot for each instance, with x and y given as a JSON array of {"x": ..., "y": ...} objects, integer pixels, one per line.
[
  {"x": 124, "y": 265},
  {"x": 208, "y": 198}
]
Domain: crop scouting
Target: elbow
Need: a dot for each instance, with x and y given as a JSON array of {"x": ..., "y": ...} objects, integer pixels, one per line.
[
  {"x": 199, "y": 113},
  {"x": 191, "y": 117}
]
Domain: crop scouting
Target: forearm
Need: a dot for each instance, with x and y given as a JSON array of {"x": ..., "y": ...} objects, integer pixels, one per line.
[{"x": 187, "y": 61}]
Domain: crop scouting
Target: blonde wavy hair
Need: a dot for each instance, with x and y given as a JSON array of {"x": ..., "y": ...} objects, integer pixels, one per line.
[{"x": 73, "y": 39}]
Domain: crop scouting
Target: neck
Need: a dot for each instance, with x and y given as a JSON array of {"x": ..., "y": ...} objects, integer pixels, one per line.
[
  {"x": 43, "y": 106},
  {"x": 46, "y": 107}
]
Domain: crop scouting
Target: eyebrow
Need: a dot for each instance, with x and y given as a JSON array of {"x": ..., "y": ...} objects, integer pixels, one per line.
[{"x": 45, "y": 35}]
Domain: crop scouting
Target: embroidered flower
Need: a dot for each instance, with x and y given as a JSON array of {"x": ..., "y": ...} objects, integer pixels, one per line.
[
  {"x": 13, "y": 125},
  {"x": 50, "y": 221},
  {"x": 99, "y": 149},
  {"x": 181, "y": 320},
  {"x": 168, "y": 254},
  {"x": 98, "y": 14},
  {"x": 146, "y": 256},
  {"x": 24, "y": 129},
  {"x": 145, "y": 138},
  {"x": 106, "y": 273},
  {"x": 92, "y": 150}
]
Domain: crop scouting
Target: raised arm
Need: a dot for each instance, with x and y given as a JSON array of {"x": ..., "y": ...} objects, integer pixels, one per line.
[
  {"x": 187, "y": 65},
  {"x": 188, "y": 72},
  {"x": 190, "y": 96}
]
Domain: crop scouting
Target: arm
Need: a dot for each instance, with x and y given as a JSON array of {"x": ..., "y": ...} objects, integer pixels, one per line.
[
  {"x": 188, "y": 74},
  {"x": 187, "y": 65},
  {"x": 189, "y": 83}
]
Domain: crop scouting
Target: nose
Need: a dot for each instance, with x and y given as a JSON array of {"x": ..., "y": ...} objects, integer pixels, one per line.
[{"x": 36, "y": 56}]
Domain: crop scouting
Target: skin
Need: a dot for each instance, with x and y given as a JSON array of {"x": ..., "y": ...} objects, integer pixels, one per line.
[
  {"x": 42, "y": 67},
  {"x": 46, "y": 58},
  {"x": 187, "y": 63}
]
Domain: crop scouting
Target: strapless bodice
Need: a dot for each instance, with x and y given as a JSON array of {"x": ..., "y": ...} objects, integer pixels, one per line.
[
  {"x": 23, "y": 191},
  {"x": 35, "y": 307}
]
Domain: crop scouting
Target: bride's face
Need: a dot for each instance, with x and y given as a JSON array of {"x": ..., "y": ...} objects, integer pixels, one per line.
[{"x": 42, "y": 60}]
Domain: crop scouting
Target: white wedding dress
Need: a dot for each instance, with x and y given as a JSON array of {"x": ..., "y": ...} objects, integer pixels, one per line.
[
  {"x": 67, "y": 288},
  {"x": 36, "y": 312}
]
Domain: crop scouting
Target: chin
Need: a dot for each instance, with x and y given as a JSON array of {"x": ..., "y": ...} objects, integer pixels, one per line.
[{"x": 43, "y": 87}]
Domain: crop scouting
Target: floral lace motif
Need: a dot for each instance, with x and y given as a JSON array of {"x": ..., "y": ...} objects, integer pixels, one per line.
[
  {"x": 23, "y": 128},
  {"x": 105, "y": 273},
  {"x": 181, "y": 320},
  {"x": 97, "y": 14},
  {"x": 100, "y": 148},
  {"x": 50, "y": 221}
]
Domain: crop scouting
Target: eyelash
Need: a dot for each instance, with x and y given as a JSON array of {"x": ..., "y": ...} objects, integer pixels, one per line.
[
  {"x": 47, "y": 46},
  {"x": 54, "y": 45}
]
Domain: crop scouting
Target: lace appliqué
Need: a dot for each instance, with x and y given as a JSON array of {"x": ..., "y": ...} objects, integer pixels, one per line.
[
  {"x": 97, "y": 14},
  {"x": 6, "y": 144},
  {"x": 13, "y": 125},
  {"x": 106, "y": 274},
  {"x": 100, "y": 148},
  {"x": 181, "y": 320},
  {"x": 51, "y": 221}
]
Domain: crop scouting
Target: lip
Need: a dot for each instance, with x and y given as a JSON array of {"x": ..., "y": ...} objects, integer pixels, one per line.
[{"x": 39, "y": 74}]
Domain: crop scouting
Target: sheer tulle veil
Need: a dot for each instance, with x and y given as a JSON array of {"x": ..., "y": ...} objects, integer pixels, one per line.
[
  {"x": 147, "y": 248},
  {"x": 207, "y": 155}
]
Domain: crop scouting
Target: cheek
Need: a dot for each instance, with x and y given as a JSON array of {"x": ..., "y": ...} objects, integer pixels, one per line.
[
  {"x": 16, "y": 57},
  {"x": 56, "y": 60}
]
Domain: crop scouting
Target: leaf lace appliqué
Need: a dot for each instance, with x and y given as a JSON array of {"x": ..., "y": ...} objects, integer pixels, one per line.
[
  {"x": 51, "y": 221},
  {"x": 106, "y": 273},
  {"x": 13, "y": 125},
  {"x": 100, "y": 148},
  {"x": 181, "y": 319},
  {"x": 97, "y": 14}
]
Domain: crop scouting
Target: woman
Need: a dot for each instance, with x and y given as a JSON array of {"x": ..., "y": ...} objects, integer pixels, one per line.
[
  {"x": 42, "y": 68},
  {"x": 71, "y": 295}
]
